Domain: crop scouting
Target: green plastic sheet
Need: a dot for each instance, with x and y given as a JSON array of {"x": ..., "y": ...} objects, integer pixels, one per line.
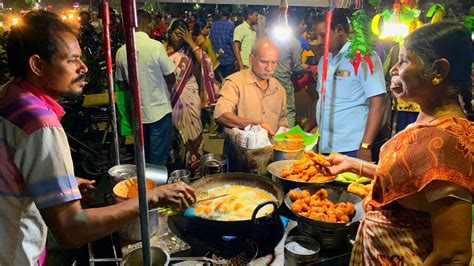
[{"x": 308, "y": 139}]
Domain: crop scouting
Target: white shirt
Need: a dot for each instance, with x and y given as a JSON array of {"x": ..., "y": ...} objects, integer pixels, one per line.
[{"x": 153, "y": 63}]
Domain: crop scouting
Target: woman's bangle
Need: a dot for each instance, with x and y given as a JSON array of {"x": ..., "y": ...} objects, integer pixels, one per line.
[
  {"x": 361, "y": 168},
  {"x": 195, "y": 49}
]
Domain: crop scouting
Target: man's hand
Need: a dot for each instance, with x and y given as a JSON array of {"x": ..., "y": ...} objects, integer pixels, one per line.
[
  {"x": 365, "y": 154},
  {"x": 85, "y": 185},
  {"x": 176, "y": 194},
  {"x": 267, "y": 127}
]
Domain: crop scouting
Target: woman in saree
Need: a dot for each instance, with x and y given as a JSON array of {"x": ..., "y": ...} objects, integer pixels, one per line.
[
  {"x": 193, "y": 67},
  {"x": 419, "y": 211},
  {"x": 201, "y": 32}
]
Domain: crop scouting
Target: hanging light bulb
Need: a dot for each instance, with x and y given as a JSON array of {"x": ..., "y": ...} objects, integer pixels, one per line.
[
  {"x": 394, "y": 27},
  {"x": 281, "y": 31},
  {"x": 15, "y": 21}
]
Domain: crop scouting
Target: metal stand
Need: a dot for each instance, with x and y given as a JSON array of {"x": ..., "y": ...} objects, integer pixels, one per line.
[
  {"x": 93, "y": 260},
  {"x": 130, "y": 22},
  {"x": 110, "y": 80},
  {"x": 324, "y": 77}
]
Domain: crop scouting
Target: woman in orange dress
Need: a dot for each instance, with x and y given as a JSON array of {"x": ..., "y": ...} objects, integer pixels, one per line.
[{"x": 419, "y": 212}]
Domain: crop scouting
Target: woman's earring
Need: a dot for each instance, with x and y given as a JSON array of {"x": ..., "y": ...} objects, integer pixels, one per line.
[{"x": 436, "y": 81}]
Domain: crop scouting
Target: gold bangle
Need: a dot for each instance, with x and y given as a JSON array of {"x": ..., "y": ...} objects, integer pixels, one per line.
[{"x": 195, "y": 49}]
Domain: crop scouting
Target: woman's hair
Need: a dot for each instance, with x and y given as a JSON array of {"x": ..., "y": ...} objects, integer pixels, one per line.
[
  {"x": 174, "y": 25},
  {"x": 451, "y": 41},
  {"x": 198, "y": 26}
]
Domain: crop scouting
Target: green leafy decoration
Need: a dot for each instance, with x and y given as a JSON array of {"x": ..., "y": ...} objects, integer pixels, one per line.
[
  {"x": 375, "y": 3},
  {"x": 386, "y": 15},
  {"x": 30, "y": 2},
  {"x": 434, "y": 8},
  {"x": 408, "y": 14},
  {"x": 469, "y": 23},
  {"x": 362, "y": 39}
]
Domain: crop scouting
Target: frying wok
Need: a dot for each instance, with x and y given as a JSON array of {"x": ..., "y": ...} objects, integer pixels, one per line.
[
  {"x": 232, "y": 227},
  {"x": 336, "y": 195},
  {"x": 275, "y": 169}
]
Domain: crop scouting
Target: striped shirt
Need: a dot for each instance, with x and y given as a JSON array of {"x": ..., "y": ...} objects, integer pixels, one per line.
[{"x": 36, "y": 170}]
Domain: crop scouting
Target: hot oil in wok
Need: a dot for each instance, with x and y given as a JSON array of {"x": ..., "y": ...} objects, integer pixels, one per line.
[{"x": 238, "y": 205}]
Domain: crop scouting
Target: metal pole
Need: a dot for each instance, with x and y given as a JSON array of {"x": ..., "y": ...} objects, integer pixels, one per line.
[
  {"x": 110, "y": 79},
  {"x": 129, "y": 23},
  {"x": 324, "y": 77},
  {"x": 284, "y": 12}
]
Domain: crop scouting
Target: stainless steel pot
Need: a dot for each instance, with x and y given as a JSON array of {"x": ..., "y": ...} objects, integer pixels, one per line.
[
  {"x": 158, "y": 257},
  {"x": 213, "y": 163},
  {"x": 301, "y": 250},
  {"x": 329, "y": 239},
  {"x": 280, "y": 155},
  {"x": 157, "y": 173},
  {"x": 132, "y": 232},
  {"x": 281, "y": 151},
  {"x": 181, "y": 175}
]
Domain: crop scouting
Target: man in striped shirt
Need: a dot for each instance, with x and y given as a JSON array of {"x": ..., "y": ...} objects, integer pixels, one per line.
[{"x": 38, "y": 189}]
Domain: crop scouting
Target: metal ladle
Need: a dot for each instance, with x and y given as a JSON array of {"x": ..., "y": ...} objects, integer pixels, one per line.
[{"x": 197, "y": 202}]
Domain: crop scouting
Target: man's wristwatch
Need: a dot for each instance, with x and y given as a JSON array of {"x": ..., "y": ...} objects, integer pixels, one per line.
[{"x": 366, "y": 146}]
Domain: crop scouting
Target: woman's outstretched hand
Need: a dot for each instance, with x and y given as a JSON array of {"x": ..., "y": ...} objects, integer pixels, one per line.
[{"x": 340, "y": 164}]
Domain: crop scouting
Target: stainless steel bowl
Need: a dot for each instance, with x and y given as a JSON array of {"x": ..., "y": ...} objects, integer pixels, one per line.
[
  {"x": 301, "y": 250},
  {"x": 280, "y": 154},
  {"x": 157, "y": 173},
  {"x": 157, "y": 255}
]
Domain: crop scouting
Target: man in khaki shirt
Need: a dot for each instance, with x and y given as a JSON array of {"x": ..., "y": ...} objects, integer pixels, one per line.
[{"x": 253, "y": 96}]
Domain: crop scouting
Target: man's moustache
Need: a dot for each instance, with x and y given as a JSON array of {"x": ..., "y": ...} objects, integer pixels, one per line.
[{"x": 81, "y": 77}]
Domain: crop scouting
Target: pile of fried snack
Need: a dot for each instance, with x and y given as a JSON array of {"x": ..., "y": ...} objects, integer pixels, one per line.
[
  {"x": 360, "y": 189},
  {"x": 290, "y": 143},
  {"x": 319, "y": 207},
  {"x": 308, "y": 169},
  {"x": 129, "y": 188}
]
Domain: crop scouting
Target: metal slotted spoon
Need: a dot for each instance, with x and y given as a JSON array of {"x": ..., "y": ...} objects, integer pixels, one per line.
[
  {"x": 241, "y": 254},
  {"x": 215, "y": 261}
]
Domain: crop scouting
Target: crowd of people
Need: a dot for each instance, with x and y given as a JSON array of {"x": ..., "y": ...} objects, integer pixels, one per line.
[
  {"x": 423, "y": 180},
  {"x": 206, "y": 54}
]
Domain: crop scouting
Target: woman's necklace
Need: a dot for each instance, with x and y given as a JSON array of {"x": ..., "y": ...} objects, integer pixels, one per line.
[{"x": 443, "y": 114}]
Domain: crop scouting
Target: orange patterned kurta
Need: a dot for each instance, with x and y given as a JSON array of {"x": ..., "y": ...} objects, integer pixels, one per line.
[{"x": 439, "y": 151}]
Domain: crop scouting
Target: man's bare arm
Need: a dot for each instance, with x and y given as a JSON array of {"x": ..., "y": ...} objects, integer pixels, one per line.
[
  {"x": 74, "y": 226},
  {"x": 236, "y": 49}
]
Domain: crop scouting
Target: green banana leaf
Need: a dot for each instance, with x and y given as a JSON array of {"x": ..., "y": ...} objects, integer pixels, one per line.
[{"x": 308, "y": 139}]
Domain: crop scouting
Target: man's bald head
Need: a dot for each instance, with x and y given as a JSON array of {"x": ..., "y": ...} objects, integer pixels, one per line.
[
  {"x": 264, "y": 58},
  {"x": 262, "y": 44}
]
